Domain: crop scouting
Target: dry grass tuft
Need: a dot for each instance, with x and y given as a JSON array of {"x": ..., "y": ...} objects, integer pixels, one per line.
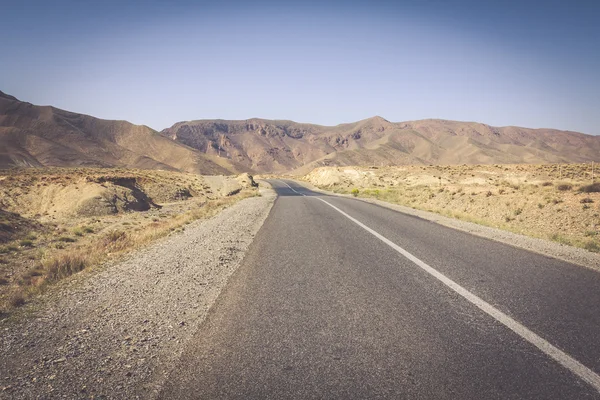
[
  {"x": 16, "y": 298},
  {"x": 563, "y": 187},
  {"x": 64, "y": 264}
]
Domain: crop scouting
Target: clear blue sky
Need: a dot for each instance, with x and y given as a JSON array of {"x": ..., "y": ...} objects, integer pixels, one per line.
[{"x": 527, "y": 63}]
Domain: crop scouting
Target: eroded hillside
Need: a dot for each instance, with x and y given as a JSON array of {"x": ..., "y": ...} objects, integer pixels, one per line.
[
  {"x": 282, "y": 146},
  {"x": 56, "y": 221}
]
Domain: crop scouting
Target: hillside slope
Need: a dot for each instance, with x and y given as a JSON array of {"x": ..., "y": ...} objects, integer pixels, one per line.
[
  {"x": 38, "y": 136},
  {"x": 283, "y": 146},
  {"x": 46, "y": 136}
]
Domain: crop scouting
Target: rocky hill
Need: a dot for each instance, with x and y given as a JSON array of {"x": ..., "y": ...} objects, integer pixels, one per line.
[
  {"x": 38, "y": 136},
  {"x": 46, "y": 136},
  {"x": 284, "y": 146}
]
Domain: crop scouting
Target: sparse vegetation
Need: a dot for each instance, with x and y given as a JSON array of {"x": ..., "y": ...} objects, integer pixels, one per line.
[
  {"x": 536, "y": 200},
  {"x": 52, "y": 245}
]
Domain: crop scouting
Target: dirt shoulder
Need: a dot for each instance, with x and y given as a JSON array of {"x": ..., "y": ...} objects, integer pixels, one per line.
[
  {"x": 549, "y": 248},
  {"x": 117, "y": 333}
]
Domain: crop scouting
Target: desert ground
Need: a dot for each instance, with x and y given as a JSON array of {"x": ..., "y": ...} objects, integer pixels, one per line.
[
  {"x": 55, "y": 222},
  {"x": 551, "y": 201}
]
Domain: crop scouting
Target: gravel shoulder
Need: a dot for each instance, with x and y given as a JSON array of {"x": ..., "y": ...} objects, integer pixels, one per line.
[
  {"x": 563, "y": 252},
  {"x": 118, "y": 333}
]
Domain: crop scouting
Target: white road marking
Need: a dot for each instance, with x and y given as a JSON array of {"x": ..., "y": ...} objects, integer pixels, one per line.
[
  {"x": 294, "y": 190},
  {"x": 558, "y": 355}
]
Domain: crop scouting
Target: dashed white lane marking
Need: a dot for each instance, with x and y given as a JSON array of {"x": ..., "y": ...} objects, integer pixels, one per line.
[{"x": 558, "y": 355}]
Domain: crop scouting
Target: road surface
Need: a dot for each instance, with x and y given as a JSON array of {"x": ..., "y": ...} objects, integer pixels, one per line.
[{"x": 342, "y": 299}]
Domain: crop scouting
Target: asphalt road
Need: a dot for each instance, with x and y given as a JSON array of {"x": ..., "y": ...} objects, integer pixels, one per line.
[{"x": 326, "y": 305}]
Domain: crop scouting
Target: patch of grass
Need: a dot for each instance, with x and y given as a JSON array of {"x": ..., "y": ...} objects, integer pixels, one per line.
[
  {"x": 26, "y": 243},
  {"x": 590, "y": 233},
  {"x": 547, "y": 183},
  {"x": 354, "y": 192},
  {"x": 518, "y": 211},
  {"x": 87, "y": 229},
  {"x": 67, "y": 239},
  {"x": 78, "y": 232},
  {"x": 557, "y": 237},
  {"x": 31, "y": 236},
  {"x": 64, "y": 264},
  {"x": 563, "y": 187},
  {"x": 592, "y": 245}
]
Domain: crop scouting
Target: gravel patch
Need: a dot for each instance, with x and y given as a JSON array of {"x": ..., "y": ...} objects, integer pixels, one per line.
[
  {"x": 560, "y": 251},
  {"x": 117, "y": 333}
]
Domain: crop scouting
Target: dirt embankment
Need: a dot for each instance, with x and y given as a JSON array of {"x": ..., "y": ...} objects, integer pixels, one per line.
[
  {"x": 117, "y": 332},
  {"x": 55, "y": 222},
  {"x": 556, "y": 202}
]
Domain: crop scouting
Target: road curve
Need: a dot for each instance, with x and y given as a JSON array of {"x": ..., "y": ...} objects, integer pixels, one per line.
[{"x": 342, "y": 299}]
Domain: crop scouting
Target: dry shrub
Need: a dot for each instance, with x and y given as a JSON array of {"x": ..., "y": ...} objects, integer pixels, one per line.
[
  {"x": 16, "y": 298},
  {"x": 115, "y": 241},
  {"x": 592, "y": 245},
  {"x": 547, "y": 183},
  {"x": 563, "y": 187},
  {"x": 64, "y": 264},
  {"x": 593, "y": 188}
]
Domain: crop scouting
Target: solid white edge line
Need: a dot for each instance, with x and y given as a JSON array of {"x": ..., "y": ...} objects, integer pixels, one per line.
[{"x": 555, "y": 353}]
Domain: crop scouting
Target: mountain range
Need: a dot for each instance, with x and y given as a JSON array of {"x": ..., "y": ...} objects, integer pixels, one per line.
[{"x": 36, "y": 136}]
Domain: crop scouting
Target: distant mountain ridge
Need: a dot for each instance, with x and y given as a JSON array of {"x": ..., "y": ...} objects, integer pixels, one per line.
[
  {"x": 283, "y": 146},
  {"x": 37, "y": 136}
]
